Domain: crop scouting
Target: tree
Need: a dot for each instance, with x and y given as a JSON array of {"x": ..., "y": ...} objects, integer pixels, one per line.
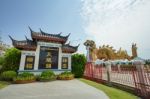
[
  {"x": 3, "y": 46},
  {"x": 11, "y": 59},
  {"x": 78, "y": 64}
]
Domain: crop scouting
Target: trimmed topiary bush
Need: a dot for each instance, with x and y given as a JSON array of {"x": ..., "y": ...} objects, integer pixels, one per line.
[
  {"x": 47, "y": 75},
  {"x": 78, "y": 64},
  {"x": 24, "y": 77},
  {"x": 8, "y": 75},
  {"x": 65, "y": 76}
]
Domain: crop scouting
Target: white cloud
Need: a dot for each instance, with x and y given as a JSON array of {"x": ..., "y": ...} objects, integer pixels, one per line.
[{"x": 118, "y": 23}]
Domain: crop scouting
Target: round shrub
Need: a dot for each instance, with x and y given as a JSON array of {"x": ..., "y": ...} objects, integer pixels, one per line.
[
  {"x": 8, "y": 75},
  {"x": 65, "y": 76},
  {"x": 47, "y": 75}
]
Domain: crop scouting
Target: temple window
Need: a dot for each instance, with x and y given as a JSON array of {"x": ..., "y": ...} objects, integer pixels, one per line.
[
  {"x": 64, "y": 62},
  {"x": 29, "y": 62}
]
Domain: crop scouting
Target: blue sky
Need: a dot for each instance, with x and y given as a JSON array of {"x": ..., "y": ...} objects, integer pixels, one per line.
[
  {"x": 115, "y": 22},
  {"x": 51, "y": 16}
]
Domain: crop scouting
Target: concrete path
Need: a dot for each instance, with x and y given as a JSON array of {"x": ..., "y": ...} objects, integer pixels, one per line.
[{"x": 73, "y": 89}]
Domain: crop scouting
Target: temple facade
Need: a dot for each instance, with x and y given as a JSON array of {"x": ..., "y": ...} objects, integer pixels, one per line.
[{"x": 45, "y": 51}]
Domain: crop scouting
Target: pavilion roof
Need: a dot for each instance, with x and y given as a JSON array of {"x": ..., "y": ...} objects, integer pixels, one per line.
[
  {"x": 28, "y": 44},
  {"x": 67, "y": 48},
  {"x": 24, "y": 44},
  {"x": 43, "y": 36}
]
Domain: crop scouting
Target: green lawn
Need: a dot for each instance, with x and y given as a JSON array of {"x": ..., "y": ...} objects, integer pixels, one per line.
[
  {"x": 3, "y": 84},
  {"x": 113, "y": 93}
]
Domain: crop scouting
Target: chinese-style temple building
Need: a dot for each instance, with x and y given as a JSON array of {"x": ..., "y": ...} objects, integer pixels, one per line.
[{"x": 45, "y": 51}]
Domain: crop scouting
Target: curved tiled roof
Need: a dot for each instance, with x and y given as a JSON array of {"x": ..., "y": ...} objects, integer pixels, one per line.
[
  {"x": 42, "y": 36},
  {"x": 67, "y": 48},
  {"x": 24, "y": 44}
]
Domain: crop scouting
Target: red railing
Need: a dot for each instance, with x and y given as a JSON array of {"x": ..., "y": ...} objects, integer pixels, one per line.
[{"x": 126, "y": 75}]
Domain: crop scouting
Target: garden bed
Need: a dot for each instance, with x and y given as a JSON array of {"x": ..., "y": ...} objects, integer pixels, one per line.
[
  {"x": 65, "y": 76},
  {"x": 24, "y": 78},
  {"x": 23, "y": 81},
  {"x": 46, "y": 76}
]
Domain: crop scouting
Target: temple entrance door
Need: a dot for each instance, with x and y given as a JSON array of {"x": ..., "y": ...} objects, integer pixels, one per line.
[{"x": 48, "y": 58}]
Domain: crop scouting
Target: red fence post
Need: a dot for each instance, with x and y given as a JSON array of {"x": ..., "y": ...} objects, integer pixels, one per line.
[{"x": 141, "y": 78}]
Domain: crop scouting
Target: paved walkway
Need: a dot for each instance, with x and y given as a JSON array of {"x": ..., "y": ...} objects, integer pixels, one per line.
[{"x": 73, "y": 89}]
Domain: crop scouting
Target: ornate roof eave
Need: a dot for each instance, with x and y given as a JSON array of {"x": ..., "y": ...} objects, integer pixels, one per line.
[
  {"x": 44, "y": 33},
  {"x": 32, "y": 32},
  {"x": 30, "y": 29},
  {"x": 52, "y": 37},
  {"x": 28, "y": 40},
  {"x": 68, "y": 45},
  {"x": 58, "y": 35},
  {"x": 25, "y": 47},
  {"x": 70, "y": 49},
  {"x": 13, "y": 40},
  {"x": 49, "y": 39},
  {"x": 66, "y": 37},
  {"x": 23, "y": 44}
]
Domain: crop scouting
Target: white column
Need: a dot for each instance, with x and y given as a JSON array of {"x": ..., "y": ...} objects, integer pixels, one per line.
[
  {"x": 69, "y": 62},
  {"x": 36, "y": 63},
  {"x": 22, "y": 61},
  {"x": 59, "y": 58}
]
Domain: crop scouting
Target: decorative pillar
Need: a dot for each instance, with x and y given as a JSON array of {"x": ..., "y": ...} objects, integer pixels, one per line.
[
  {"x": 140, "y": 76},
  {"x": 108, "y": 67}
]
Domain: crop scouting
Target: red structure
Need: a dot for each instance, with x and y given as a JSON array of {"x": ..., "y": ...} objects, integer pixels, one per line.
[{"x": 127, "y": 77}]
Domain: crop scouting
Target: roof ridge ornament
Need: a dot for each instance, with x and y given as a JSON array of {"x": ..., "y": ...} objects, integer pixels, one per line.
[
  {"x": 26, "y": 37},
  {"x": 30, "y": 29},
  {"x": 78, "y": 45},
  {"x": 11, "y": 38},
  {"x": 41, "y": 31},
  {"x": 68, "y": 35}
]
